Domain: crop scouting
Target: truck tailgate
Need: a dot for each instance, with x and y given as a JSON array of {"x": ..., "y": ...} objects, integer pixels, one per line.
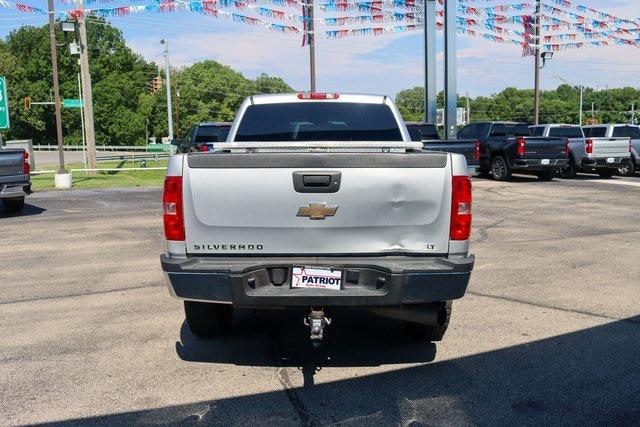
[
  {"x": 249, "y": 203},
  {"x": 466, "y": 147},
  {"x": 11, "y": 162},
  {"x": 610, "y": 147},
  {"x": 548, "y": 148}
]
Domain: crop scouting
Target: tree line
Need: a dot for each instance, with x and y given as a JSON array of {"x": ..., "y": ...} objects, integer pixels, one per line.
[
  {"x": 125, "y": 112},
  {"x": 561, "y": 105}
]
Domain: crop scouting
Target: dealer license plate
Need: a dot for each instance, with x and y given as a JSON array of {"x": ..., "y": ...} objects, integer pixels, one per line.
[
  {"x": 611, "y": 160},
  {"x": 544, "y": 161},
  {"x": 316, "y": 277}
]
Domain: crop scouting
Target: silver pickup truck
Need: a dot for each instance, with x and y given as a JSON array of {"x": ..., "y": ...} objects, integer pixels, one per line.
[
  {"x": 318, "y": 201},
  {"x": 588, "y": 153},
  {"x": 15, "y": 182},
  {"x": 631, "y": 132}
]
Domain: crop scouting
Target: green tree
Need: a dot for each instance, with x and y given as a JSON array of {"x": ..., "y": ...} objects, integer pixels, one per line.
[{"x": 123, "y": 110}]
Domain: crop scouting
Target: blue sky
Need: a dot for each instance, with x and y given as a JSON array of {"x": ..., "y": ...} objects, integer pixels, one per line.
[{"x": 381, "y": 64}]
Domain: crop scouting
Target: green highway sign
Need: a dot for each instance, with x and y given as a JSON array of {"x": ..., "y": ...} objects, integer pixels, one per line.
[
  {"x": 4, "y": 104},
  {"x": 72, "y": 103}
]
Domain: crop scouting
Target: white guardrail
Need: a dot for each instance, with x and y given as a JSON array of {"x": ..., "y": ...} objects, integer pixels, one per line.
[
  {"x": 101, "y": 170},
  {"x": 115, "y": 148}
]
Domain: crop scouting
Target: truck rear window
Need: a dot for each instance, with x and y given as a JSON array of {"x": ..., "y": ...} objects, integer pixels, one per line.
[
  {"x": 598, "y": 132},
  {"x": 318, "y": 121},
  {"x": 632, "y": 132},
  {"x": 510, "y": 130},
  {"x": 566, "y": 132},
  {"x": 206, "y": 134}
]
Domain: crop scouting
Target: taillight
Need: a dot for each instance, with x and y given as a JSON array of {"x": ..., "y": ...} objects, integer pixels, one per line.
[
  {"x": 521, "y": 146},
  {"x": 477, "y": 150},
  {"x": 318, "y": 95},
  {"x": 460, "y": 208},
  {"x": 566, "y": 146},
  {"x": 203, "y": 148},
  {"x": 172, "y": 212},
  {"x": 26, "y": 168},
  {"x": 588, "y": 146}
]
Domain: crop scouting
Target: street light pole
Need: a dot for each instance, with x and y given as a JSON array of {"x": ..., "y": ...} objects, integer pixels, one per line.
[
  {"x": 581, "y": 98},
  {"x": 450, "y": 69},
  {"x": 165, "y": 42},
  {"x": 536, "y": 102},
  {"x": 580, "y": 114},
  {"x": 56, "y": 87},
  {"x": 430, "y": 95},
  {"x": 87, "y": 92},
  {"x": 311, "y": 37}
]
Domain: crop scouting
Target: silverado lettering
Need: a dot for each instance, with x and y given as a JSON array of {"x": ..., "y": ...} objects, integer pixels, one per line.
[{"x": 227, "y": 247}]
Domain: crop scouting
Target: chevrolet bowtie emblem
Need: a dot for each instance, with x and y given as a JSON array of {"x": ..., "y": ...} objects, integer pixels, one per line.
[{"x": 317, "y": 211}]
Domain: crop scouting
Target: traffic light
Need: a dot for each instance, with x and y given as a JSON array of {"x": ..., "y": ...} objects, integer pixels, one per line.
[
  {"x": 154, "y": 86},
  {"x": 27, "y": 103},
  {"x": 157, "y": 84}
]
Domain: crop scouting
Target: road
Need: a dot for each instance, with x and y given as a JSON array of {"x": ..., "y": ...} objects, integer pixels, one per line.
[{"x": 548, "y": 333}]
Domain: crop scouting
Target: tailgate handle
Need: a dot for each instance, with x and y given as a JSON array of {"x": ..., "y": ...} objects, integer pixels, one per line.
[{"x": 318, "y": 182}]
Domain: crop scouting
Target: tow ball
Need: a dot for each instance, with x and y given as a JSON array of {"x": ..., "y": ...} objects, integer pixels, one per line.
[{"x": 316, "y": 321}]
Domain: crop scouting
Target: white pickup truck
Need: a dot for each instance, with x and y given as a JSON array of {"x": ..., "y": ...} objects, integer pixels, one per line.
[
  {"x": 603, "y": 155},
  {"x": 318, "y": 201},
  {"x": 620, "y": 131}
]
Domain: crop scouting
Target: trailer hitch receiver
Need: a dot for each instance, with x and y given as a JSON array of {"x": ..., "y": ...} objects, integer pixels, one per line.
[{"x": 316, "y": 321}]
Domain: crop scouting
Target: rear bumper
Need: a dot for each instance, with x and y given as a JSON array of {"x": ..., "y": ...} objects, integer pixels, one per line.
[
  {"x": 538, "y": 165},
  {"x": 604, "y": 162},
  {"x": 367, "y": 282},
  {"x": 20, "y": 188}
]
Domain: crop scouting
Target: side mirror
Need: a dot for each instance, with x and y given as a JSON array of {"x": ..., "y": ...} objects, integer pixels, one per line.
[{"x": 183, "y": 146}]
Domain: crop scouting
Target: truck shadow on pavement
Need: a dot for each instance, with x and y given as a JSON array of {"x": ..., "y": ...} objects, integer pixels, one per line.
[
  {"x": 280, "y": 339},
  {"x": 587, "y": 377},
  {"x": 28, "y": 210}
]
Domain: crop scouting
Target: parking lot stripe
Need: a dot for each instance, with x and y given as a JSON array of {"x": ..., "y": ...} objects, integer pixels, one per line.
[{"x": 616, "y": 182}]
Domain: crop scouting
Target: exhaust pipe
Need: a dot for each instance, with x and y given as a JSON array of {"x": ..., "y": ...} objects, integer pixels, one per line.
[{"x": 434, "y": 314}]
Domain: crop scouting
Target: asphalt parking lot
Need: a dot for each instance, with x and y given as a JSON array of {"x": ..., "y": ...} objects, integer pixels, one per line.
[{"x": 549, "y": 331}]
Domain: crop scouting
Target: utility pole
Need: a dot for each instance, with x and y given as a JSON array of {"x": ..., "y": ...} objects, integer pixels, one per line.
[
  {"x": 87, "y": 92},
  {"x": 536, "y": 102},
  {"x": 56, "y": 87},
  {"x": 84, "y": 148},
  {"x": 430, "y": 100},
  {"x": 167, "y": 72},
  {"x": 593, "y": 112},
  {"x": 311, "y": 37},
  {"x": 633, "y": 113}
]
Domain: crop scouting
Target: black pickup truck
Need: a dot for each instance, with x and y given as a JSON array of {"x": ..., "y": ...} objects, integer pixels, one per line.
[
  {"x": 428, "y": 134},
  {"x": 507, "y": 147},
  {"x": 15, "y": 179}
]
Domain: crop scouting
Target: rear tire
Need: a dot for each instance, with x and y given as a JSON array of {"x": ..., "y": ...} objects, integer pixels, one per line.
[
  {"x": 607, "y": 173},
  {"x": 500, "y": 169},
  {"x": 570, "y": 171},
  {"x": 628, "y": 170},
  {"x": 208, "y": 319},
  {"x": 546, "y": 175},
  {"x": 13, "y": 206},
  {"x": 433, "y": 333}
]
